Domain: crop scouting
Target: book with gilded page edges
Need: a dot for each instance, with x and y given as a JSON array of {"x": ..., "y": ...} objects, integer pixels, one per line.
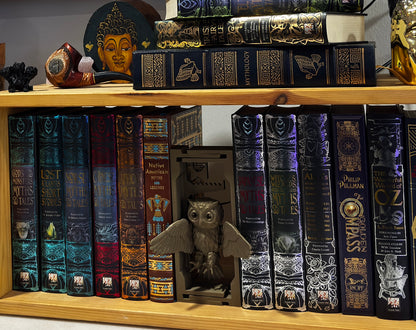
[
  {"x": 106, "y": 225},
  {"x": 131, "y": 208},
  {"x": 240, "y": 67},
  {"x": 286, "y": 220},
  {"x": 270, "y": 30},
  {"x": 24, "y": 202},
  {"x": 353, "y": 209},
  {"x": 162, "y": 128},
  {"x": 253, "y": 218},
  {"x": 390, "y": 225},
  {"x": 220, "y": 8},
  {"x": 78, "y": 214},
  {"x": 317, "y": 208}
]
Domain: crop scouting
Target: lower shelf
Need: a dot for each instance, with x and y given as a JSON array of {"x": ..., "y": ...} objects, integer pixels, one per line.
[{"x": 180, "y": 315}]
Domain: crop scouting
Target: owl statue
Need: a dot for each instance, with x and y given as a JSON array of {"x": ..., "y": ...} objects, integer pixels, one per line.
[{"x": 205, "y": 236}]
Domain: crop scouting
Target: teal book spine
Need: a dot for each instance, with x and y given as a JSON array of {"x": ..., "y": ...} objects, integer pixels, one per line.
[
  {"x": 51, "y": 204},
  {"x": 78, "y": 215},
  {"x": 24, "y": 203}
]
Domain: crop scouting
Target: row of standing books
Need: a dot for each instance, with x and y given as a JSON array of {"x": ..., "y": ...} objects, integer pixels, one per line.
[
  {"x": 204, "y": 46},
  {"x": 325, "y": 195},
  {"x": 81, "y": 215}
]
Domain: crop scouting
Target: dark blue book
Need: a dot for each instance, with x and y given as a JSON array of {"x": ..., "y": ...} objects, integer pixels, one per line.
[
  {"x": 410, "y": 161},
  {"x": 51, "y": 203},
  {"x": 393, "y": 296},
  {"x": 24, "y": 202},
  {"x": 202, "y": 8},
  {"x": 78, "y": 215},
  {"x": 253, "y": 219},
  {"x": 352, "y": 195},
  {"x": 286, "y": 220},
  {"x": 247, "y": 67},
  {"x": 219, "y": 8},
  {"x": 317, "y": 191}
]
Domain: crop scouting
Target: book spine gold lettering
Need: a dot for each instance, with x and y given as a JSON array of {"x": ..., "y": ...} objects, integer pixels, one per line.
[
  {"x": 353, "y": 213},
  {"x": 24, "y": 203}
]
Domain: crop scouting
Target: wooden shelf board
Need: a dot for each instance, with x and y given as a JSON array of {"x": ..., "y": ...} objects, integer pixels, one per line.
[
  {"x": 175, "y": 315},
  {"x": 388, "y": 91},
  {"x": 180, "y": 315}
]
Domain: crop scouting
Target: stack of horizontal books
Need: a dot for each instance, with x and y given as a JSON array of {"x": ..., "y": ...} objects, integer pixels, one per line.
[{"x": 232, "y": 43}]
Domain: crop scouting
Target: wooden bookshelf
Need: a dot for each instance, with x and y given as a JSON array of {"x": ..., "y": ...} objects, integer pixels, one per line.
[
  {"x": 388, "y": 91},
  {"x": 174, "y": 315}
]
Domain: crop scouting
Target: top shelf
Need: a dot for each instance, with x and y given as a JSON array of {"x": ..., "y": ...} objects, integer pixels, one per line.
[{"x": 389, "y": 90}]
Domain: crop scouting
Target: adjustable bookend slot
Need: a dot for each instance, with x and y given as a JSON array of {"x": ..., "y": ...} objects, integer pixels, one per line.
[{"x": 197, "y": 174}]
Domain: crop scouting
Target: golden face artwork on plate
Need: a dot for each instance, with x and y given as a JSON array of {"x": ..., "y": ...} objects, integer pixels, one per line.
[{"x": 117, "y": 52}]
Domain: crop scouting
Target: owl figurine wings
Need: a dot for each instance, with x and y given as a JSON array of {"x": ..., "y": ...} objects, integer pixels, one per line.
[{"x": 205, "y": 235}]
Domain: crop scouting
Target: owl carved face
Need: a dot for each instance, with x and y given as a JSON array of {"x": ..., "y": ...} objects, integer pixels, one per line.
[{"x": 205, "y": 213}]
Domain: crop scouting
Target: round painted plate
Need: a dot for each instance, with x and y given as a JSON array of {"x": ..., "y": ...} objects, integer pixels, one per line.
[{"x": 113, "y": 32}]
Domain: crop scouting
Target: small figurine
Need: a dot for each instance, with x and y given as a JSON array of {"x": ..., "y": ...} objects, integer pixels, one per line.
[
  {"x": 18, "y": 76},
  {"x": 204, "y": 235},
  {"x": 392, "y": 277}
]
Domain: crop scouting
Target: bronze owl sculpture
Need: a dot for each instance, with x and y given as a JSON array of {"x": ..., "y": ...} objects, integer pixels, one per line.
[{"x": 204, "y": 235}]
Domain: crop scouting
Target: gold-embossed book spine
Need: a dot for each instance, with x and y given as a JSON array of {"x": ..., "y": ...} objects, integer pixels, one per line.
[
  {"x": 240, "y": 67},
  {"x": 353, "y": 210},
  {"x": 162, "y": 128},
  {"x": 131, "y": 210},
  {"x": 298, "y": 29}
]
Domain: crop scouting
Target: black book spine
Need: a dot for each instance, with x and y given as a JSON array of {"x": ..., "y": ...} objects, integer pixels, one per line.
[
  {"x": 315, "y": 164},
  {"x": 252, "y": 210},
  {"x": 410, "y": 154},
  {"x": 286, "y": 228},
  {"x": 392, "y": 282}
]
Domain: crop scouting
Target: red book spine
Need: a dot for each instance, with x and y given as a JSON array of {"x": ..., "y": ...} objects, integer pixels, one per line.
[
  {"x": 163, "y": 128},
  {"x": 104, "y": 182},
  {"x": 158, "y": 204}
]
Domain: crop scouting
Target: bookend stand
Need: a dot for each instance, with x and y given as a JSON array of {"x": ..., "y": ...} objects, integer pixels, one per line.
[{"x": 204, "y": 172}]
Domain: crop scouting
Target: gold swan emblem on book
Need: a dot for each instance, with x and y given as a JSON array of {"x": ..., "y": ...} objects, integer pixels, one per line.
[
  {"x": 189, "y": 70},
  {"x": 309, "y": 65}
]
